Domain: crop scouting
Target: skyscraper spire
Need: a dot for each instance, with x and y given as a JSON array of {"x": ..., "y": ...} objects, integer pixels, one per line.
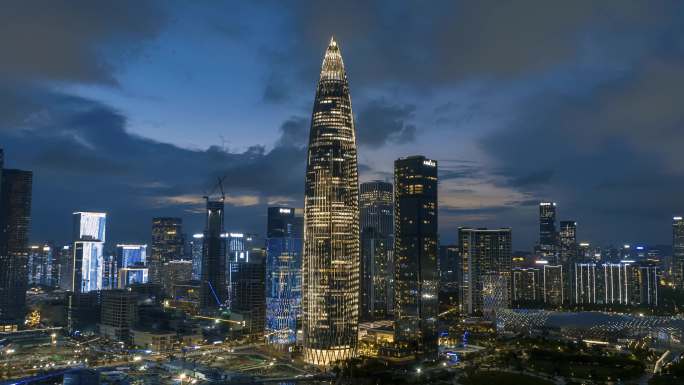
[
  {"x": 333, "y": 66},
  {"x": 330, "y": 265}
]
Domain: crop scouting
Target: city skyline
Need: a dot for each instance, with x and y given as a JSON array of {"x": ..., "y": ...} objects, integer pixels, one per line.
[
  {"x": 87, "y": 121},
  {"x": 477, "y": 193}
]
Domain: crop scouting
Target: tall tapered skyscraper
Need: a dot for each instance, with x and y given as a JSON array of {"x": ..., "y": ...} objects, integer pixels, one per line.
[{"x": 330, "y": 266}]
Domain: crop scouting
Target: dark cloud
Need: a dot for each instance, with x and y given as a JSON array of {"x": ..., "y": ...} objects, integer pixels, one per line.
[
  {"x": 83, "y": 41},
  {"x": 381, "y": 122},
  {"x": 294, "y": 132},
  {"x": 611, "y": 157},
  {"x": 408, "y": 43},
  {"x": 83, "y": 157}
]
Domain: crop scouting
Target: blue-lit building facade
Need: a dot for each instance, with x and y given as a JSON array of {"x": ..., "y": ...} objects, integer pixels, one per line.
[
  {"x": 40, "y": 264},
  {"x": 283, "y": 274},
  {"x": 129, "y": 255},
  {"x": 89, "y": 237},
  {"x": 132, "y": 264}
]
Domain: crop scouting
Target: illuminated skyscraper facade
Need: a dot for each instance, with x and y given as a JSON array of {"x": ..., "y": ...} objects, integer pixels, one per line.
[
  {"x": 568, "y": 241},
  {"x": 376, "y": 205},
  {"x": 486, "y": 259},
  {"x": 285, "y": 231},
  {"x": 131, "y": 260},
  {"x": 40, "y": 265},
  {"x": 88, "y": 263},
  {"x": 196, "y": 255},
  {"x": 678, "y": 251},
  {"x": 15, "y": 217},
  {"x": 167, "y": 244},
  {"x": 129, "y": 255},
  {"x": 548, "y": 235},
  {"x": 330, "y": 267},
  {"x": 416, "y": 281}
]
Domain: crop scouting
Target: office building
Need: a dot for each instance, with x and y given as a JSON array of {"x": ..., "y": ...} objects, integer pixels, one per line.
[
  {"x": 130, "y": 255},
  {"x": 415, "y": 254},
  {"x": 119, "y": 314},
  {"x": 128, "y": 276},
  {"x": 376, "y": 208},
  {"x": 526, "y": 284},
  {"x": 284, "y": 242},
  {"x": 568, "y": 242},
  {"x": 678, "y": 252},
  {"x": 553, "y": 284},
  {"x": 330, "y": 266},
  {"x": 167, "y": 244},
  {"x": 88, "y": 263},
  {"x": 109, "y": 272},
  {"x": 196, "y": 255},
  {"x": 66, "y": 268},
  {"x": 248, "y": 295},
  {"x": 174, "y": 273},
  {"x": 239, "y": 248},
  {"x": 213, "y": 294},
  {"x": 486, "y": 264},
  {"x": 548, "y": 235},
  {"x": 15, "y": 218},
  {"x": 40, "y": 265}
]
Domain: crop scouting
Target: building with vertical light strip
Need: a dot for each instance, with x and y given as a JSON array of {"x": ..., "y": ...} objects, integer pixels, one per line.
[
  {"x": 330, "y": 266},
  {"x": 416, "y": 279},
  {"x": 88, "y": 263}
]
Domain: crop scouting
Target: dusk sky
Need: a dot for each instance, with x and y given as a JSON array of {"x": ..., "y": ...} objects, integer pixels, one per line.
[{"x": 135, "y": 107}]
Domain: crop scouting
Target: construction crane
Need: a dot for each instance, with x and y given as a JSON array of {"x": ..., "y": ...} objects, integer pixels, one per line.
[{"x": 219, "y": 184}]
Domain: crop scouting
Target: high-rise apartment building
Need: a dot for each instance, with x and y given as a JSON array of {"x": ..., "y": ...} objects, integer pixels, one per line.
[
  {"x": 416, "y": 282},
  {"x": 167, "y": 244},
  {"x": 486, "y": 263},
  {"x": 330, "y": 267},
  {"x": 213, "y": 293},
  {"x": 15, "y": 217},
  {"x": 376, "y": 208},
  {"x": 284, "y": 242}
]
